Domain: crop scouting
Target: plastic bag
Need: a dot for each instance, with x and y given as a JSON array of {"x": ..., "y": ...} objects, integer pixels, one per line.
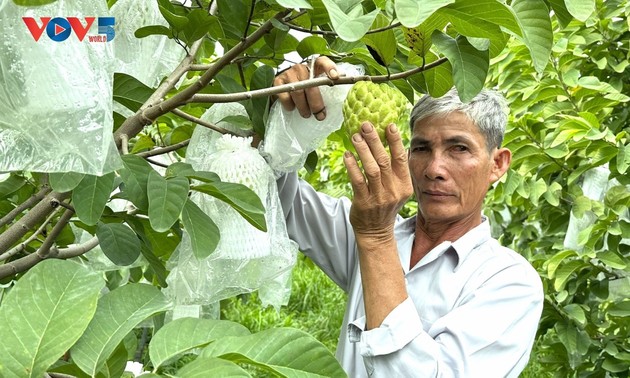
[
  {"x": 246, "y": 258},
  {"x": 289, "y": 138},
  {"x": 55, "y": 97},
  {"x": 147, "y": 59}
]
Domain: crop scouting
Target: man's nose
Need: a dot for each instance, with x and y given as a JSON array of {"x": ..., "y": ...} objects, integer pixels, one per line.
[{"x": 435, "y": 168}]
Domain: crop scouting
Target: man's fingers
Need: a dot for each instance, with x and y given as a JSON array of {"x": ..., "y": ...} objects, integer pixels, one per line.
[
  {"x": 357, "y": 180},
  {"x": 399, "y": 155},
  {"x": 323, "y": 65}
]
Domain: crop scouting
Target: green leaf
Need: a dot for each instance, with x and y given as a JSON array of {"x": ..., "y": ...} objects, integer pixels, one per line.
[
  {"x": 565, "y": 271},
  {"x": 119, "y": 243},
  {"x": 262, "y": 78},
  {"x": 12, "y": 184},
  {"x": 241, "y": 198},
  {"x": 182, "y": 335},
  {"x": 312, "y": 45},
  {"x": 64, "y": 181},
  {"x": 201, "y": 23},
  {"x": 166, "y": 200},
  {"x": 412, "y": 13},
  {"x": 204, "y": 233},
  {"x": 44, "y": 315},
  {"x": 117, "y": 314},
  {"x": 91, "y": 195},
  {"x": 482, "y": 12},
  {"x": 176, "y": 21},
  {"x": 384, "y": 43},
  {"x": 211, "y": 367},
  {"x": 352, "y": 24},
  {"x": 146, "y": 31},
  {"x": 576, "y": 312},
  {"x": 533, "y": 17},
  {"x": 612, "y": 259},
  {"x": 33, "y": 3},
  {"x": 279, "y": 351},
  {"x": 580, "y": 9},
  {"x": 233, "y": 15},
  {"x": 115, "y": 364},
  {"x": 130, "y": 92},
  {"x": 621, "y": 309},
  {"x": 295, "y": 4},
  {"x": 470, "y": 66},
  {"x": 135, "y": 176}
]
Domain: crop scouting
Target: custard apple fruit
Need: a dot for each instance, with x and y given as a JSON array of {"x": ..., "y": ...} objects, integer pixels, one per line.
[{"x": 379, "y": 104}]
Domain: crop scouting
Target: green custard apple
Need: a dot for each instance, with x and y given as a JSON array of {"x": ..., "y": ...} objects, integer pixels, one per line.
[{"x": 379, "y": 104}]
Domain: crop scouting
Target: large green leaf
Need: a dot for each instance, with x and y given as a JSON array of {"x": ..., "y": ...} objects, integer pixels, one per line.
[
  {"x": 130, "y": 92},
  {"x": 482, "y": 12},
  {"x": 533, "y": 16},
  {"x": 182, "y": 335},
  {"x": 135, "y": 176},
  {"x": 44, "y": 315},
  {"x": 384, "y": 43},
  {"x": 304, "y": 4},
  {"x": 91, "y": 195},
  {"x": 580, "y": 9},
  {"x": 350, "y": 24},
  {"x": 412, "y": 13},
  {"x": 204, "y": 233},
  {"x": 470, "y": 66},
  {"x": 117, "y": 314},
  {"x": 166, "y": 200},
  {"x": 234, "y": 15},
  {"x": 119, "y": 243},
  {"x": 283, "y": 351},
  {"x": 211, "y": 367},
  {"x": 64, "y": 181},
  {"x": 241, "y": 198}
]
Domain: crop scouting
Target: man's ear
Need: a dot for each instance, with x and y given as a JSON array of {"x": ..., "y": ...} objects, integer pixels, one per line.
[{"x": 501, "y": 159}]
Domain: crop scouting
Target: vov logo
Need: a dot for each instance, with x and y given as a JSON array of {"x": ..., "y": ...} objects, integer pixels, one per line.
[{"x": 59, "y": 29}]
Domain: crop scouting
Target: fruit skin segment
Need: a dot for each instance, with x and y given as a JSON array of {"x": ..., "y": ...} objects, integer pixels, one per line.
[{"x": 379, "y": 104}]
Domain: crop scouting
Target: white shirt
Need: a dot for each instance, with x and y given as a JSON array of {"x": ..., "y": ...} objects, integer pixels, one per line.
[{"x": 473, "y": 305}]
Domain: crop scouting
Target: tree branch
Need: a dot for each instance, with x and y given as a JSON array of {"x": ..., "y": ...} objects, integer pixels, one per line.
[
  {"x": 206, "y": 124},
  {"x": 153, "y": 109},
  {"x": 22, "y": 246},
  {"x": 22, "y": 264},
  {"x": 10, "y": 217},
  {"x": 77, "y": 250},
  {"x": 164, "y": 150},
  {"x": 232, "y": 97},
  {"x": 31, "y": 219}
]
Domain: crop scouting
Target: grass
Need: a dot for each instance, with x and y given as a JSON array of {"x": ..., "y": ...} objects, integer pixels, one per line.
[{"x": 316, "y": 306}]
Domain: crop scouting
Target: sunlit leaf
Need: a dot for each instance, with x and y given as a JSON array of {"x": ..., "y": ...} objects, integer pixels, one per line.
[
  {"x": 182, "y": 335},
  {"x": 412, "y": 13},
  {"x": 533, "y": 17},
  {"x": 44, "y": 315},
  {"x": 352, "y": 24},
  {"x": 118, "y": 312}
]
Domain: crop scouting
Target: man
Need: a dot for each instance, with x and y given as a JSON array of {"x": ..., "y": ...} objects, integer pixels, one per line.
[{"x": 430, "y": 296}]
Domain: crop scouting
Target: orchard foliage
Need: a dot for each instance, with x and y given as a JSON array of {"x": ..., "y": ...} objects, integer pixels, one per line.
[{"x": 561, "y": 64}]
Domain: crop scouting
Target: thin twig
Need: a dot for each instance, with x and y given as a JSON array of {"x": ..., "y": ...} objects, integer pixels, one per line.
[
  {"x": 44, "y": 249},
  {"x": 124, "y": 144},
  {"x": 22, "y": 246},
  {"x": 239, "y": 96},
  {"x": 206, "y": 124},
  {"x": 10, "y": 217},
  {"x": 164, "y": 150},
  {"x": 76, "y": 250},
  {"x": 155, "y": 162}
]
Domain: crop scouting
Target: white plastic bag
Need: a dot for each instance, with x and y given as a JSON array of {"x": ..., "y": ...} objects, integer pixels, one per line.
[
  {"x": 289, "y": 138},
  {"x": 147, "y": 59},
  {"x": 55, "y": 97},
  {"x": 246, "y": 258}
]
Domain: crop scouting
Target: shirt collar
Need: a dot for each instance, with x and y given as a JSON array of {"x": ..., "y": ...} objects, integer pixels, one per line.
[{"x": 471, "y": 240}]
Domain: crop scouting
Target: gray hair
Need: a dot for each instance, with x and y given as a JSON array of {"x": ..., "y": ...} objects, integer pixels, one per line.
[{"x": 488, "y": 110}]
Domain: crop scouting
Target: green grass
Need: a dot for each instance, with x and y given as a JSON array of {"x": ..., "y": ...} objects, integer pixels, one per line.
[{"x": 316, "y": 306}]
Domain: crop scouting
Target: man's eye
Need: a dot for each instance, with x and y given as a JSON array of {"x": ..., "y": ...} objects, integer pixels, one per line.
[
  {"x": 419, "y": 149},
  {"x": 460, "y": 148}
]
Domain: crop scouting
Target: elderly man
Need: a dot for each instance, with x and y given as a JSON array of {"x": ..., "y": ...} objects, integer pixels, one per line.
[{"x": 433, "y": 295}]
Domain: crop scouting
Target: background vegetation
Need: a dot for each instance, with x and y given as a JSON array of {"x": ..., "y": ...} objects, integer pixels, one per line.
[{"x": 564, "y": 205}]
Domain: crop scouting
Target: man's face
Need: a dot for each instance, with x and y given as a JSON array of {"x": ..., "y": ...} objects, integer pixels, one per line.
[{"x": 451, "y": 168}]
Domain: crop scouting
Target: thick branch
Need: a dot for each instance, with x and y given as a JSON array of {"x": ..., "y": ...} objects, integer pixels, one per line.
[
  {"x": 232, "y": 97},
  {"x": 153, "y": 110},
  {"x": 77, "y": 250},
  {"x": 10, "y": 217},
  {"x": 20, "y": 265},
  {"x": 30, "y": 220}
]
